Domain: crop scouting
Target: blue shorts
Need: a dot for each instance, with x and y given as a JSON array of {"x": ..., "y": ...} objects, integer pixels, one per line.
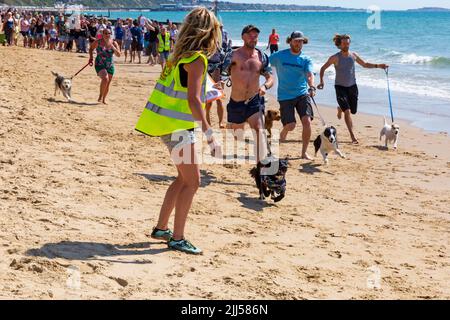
[
  {"x": 164, "y": 55},
  {"x": 239, "y": 112}
]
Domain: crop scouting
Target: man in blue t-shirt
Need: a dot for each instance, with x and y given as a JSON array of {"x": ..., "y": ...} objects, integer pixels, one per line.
[{"x": 295, "y": 88}]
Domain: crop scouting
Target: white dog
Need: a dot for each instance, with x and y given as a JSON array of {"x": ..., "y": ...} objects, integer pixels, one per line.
[
  {"x": 64, "y": 85},
  {"x": 391, "y": 133},
  {"x": 327, "y": 142}
]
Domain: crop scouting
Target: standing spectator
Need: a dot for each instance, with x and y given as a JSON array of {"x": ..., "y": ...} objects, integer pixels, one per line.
[
  {"x": 128, "y": 38},
  {"x": 153, "y": 42},
  {"x": 164, "y": 46},
  {"x": 119, "y": 33},
  {"x": 16, "y": 28},
  {"x": 102, "y": 25},
  {"x": 82, "y": 36},
  {"x": 92, "y": 30},
  {"x": 25, "y": 30},
  {"x": 63, "y": 36},
  {"x": 173, "y": 34},
  {"x": 136, "y": 44},
  {"x": 40, "y": 32},
  {"x": 33, "y": 33},
  {"x": 53, "y": 37},
  {"x": 8, "y": 28},
  {"x": 49, "y": 21},
  {"x": 146, "y": 42}
]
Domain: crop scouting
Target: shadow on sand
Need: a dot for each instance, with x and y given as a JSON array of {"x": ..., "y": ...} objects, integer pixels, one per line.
[
  {"x": 74, "y": 250},
  {"x": 53, "y": 100}
]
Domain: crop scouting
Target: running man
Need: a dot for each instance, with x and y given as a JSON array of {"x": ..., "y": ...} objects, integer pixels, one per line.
[
  {"x": 246, "y": 65},
  {"x": 274, "y": 39},
  {"x": 345, "y": 84},
  {"x": 295, "y": 88}
]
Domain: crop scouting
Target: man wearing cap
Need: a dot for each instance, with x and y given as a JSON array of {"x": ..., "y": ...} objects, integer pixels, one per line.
[
  {"x": 245, "y": 66},
  {"x": 295, "y": 88}
]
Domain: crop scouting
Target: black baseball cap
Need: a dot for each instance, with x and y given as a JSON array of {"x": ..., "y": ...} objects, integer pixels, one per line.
[
  {"x": 249, "y": 28},
  {"x": 298, "y": 35}
]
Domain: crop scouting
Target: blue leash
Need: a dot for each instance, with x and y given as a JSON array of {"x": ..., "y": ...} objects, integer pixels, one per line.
[{"x": 389, "y": 93}]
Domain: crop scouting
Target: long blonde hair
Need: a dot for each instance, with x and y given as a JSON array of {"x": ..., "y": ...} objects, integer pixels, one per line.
[{"x": 200, "y": 32}]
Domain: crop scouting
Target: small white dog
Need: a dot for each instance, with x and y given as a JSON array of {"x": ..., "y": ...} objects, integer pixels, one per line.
[
  {"x": 64, "y": 85},
  {"x": 391, "y": 133},
  {"x": 327, "y": 142}
]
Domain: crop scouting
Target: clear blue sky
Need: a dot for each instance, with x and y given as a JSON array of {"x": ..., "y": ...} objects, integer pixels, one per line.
[{"x": 383, "y": 4}]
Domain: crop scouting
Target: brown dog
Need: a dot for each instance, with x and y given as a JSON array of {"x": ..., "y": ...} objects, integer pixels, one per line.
[{"x": 271, "y": 116}]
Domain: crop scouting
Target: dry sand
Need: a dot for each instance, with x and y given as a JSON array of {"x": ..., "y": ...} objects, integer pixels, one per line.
[{"x": 81, "y": 190}]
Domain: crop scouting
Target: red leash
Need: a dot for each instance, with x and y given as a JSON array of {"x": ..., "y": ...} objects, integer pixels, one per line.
[{"x": 89, "y": 64}]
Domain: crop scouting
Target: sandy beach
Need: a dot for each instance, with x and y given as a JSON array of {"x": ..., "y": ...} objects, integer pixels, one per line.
[{"x": 80, "y": 192}]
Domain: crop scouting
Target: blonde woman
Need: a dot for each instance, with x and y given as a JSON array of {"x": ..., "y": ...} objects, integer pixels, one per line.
[{"x": 177, "y": 101}]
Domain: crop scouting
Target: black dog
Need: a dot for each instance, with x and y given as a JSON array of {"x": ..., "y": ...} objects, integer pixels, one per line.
[{"x": 271, "y": 185}]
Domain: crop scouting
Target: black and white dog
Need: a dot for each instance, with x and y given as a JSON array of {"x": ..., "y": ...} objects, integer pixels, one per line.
[
  {"x": 64, "y": 85},
  {"x": 271, "y": 183},
  {"x": 327, "y": 142},
  {"x": 391, "y": 133}
]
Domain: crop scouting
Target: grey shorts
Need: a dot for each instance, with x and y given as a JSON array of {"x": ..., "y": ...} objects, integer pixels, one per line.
[
  {"x": 127, "y": 44},
  {"x": 302, "y": 104},
  {"x": 178, "y": 140}
]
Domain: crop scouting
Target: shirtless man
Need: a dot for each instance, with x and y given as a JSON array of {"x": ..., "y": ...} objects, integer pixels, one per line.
[{"x": 246, "y": 65}]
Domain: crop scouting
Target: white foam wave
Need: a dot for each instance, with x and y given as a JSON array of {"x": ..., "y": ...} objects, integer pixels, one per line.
[
  {"x": 415, "y": 59},
  {"x": 403, "y": 86}
]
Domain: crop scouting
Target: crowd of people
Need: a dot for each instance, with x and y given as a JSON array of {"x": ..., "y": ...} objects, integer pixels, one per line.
[{"x": 135, "y": 37}]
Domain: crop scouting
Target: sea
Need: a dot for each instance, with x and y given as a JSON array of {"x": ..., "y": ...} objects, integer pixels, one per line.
[{"x": 416, "y": 45}]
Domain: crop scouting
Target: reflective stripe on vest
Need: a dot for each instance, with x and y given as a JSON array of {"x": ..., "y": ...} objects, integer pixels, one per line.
[
  {"x": 169, "y": 113},
  {"x": 171, "y": 92}
]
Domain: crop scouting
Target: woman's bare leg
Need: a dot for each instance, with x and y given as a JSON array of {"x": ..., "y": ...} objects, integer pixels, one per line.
[
  {"x": 105, "y": 93},
  {"x": 180, "y": 195}
]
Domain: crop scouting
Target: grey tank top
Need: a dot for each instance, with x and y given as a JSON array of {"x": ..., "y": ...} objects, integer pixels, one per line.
[{"x": 345, "y": 70}]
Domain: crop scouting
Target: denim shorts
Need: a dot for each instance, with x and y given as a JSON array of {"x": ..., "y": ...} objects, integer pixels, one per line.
[
  {"x": 164, "y": 55},
  {"x": 179, "y": 139}
]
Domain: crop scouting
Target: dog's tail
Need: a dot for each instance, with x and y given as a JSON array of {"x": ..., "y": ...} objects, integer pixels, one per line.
[
  {"x": 55, "y": 74},
  {"x": 385, "y": 121}
]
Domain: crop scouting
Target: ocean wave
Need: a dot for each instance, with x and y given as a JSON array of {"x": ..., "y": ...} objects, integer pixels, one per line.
[
  {"x": 401, "y": 85},
  {"x": 414, "y": 59}
]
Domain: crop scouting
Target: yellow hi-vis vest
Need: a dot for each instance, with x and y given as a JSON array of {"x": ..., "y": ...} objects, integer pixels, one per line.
[
  {"x": 164, "y": 45},
  {"x": 168, "y": 109}
]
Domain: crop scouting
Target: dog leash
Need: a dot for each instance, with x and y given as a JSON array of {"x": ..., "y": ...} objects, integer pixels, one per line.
[
  {"x": 318, "y": 112},
  {"x": 88, "y": 64},
  {"x": 389, "y": 94}
]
